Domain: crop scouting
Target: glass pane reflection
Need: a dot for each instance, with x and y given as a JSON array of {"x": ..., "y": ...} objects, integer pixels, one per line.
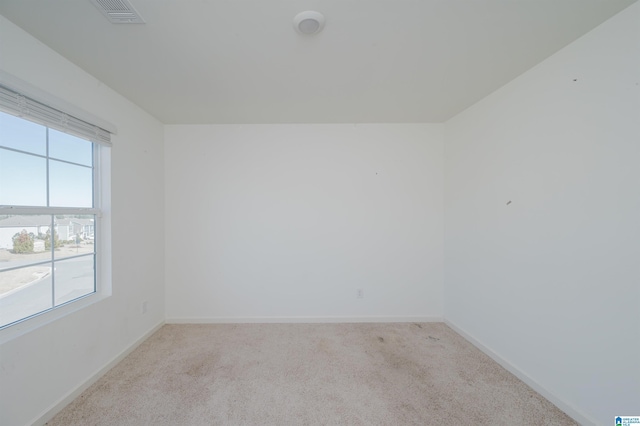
[
  {"x": 74, "y": 278},
  {"x": 70, "y": 185},
  {"x": 25, "y": 292}
]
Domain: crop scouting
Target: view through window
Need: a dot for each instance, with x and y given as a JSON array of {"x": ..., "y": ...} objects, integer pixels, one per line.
[{"x": 48, "y": 218}]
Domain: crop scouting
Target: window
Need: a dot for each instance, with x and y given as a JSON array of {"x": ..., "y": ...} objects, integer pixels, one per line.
[{"x": 50, "y": 207}]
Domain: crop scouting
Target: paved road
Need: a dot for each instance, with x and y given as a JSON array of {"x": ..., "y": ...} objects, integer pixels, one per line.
[{"x": 73, "y": 278}]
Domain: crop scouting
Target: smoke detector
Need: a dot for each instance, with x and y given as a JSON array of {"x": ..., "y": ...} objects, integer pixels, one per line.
[
  {"x": 118, "y": 11},
  {"x": 308, "y": 22}
]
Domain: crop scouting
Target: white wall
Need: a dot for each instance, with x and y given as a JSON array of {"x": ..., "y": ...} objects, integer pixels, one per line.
[
  {"x": 285, "y": 222},
  {"x": 551, "y": 282},
  {"x": 38, "y": 369}
]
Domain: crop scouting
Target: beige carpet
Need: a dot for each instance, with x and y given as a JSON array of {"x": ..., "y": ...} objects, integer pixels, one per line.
[{"x": 309, "y": 374}]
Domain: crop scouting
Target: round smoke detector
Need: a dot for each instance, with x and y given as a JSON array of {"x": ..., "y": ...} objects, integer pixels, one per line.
[{"x": 308, "y": 22}]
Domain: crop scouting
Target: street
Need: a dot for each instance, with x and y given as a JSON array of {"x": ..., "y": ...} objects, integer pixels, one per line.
[{"x": 73, "y": 278}]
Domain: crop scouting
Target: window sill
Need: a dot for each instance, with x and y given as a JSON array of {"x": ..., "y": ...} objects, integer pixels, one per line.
[{"x": 28, "y": 325}]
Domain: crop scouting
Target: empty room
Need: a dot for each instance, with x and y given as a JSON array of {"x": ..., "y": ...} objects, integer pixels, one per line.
[{"x": 315, "y": 212}]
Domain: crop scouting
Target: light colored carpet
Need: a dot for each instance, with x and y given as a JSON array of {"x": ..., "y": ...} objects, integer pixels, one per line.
[{"x": 309, "y": 374}]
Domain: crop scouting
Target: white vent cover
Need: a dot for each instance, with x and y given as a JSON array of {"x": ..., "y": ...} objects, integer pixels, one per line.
[{"x": 118, "y": 11}]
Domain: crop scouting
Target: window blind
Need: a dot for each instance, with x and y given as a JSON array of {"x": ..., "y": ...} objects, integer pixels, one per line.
[{"x": 23, "y": 106}]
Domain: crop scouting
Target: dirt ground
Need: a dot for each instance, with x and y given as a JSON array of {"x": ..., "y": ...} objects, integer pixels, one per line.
[{"x": 16, "y": 278}]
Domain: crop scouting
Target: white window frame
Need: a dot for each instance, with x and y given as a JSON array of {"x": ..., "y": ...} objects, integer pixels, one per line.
[{"x": 101, "y": 209}]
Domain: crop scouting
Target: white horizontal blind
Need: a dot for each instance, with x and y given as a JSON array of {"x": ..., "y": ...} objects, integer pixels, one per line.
[{"x": 23, "y": 106}]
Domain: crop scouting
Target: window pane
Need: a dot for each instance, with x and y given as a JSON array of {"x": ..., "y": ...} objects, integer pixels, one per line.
[
  {"x": 74, "y": 278},
  {"x": 46, "y": 260},
  {"x": 74, "y": 235},
  {"x": 22, "y": 239},
  {"x": 70, "y": 148},
  {"x": 27, "y": 291},
  {"x": 18, "y": 133},
  {"x": 23, "y": 179},
  {"x": 69, "y": 185}
]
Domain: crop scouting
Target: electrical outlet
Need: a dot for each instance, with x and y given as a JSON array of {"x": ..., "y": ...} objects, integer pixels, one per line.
[
  {"x": 145, "y": 307},
  {"x": 360, "y": 293}
]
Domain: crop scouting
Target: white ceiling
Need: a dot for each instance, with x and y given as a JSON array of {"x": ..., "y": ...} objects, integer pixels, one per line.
[{"x": 240, "y": 61}]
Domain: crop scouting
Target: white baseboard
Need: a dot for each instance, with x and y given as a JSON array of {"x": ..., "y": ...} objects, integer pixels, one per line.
[
  {"x": 300, "y": 320},
  {"x": 571, "y": 411},
  {"x": 57, "y": 407}
]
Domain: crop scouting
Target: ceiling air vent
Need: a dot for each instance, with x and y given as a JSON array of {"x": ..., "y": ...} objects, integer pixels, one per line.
[{"x": 118, "y": 11}]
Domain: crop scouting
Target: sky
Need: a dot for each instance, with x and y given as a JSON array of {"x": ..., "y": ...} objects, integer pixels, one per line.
[{"x": 23, "y": 175}]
